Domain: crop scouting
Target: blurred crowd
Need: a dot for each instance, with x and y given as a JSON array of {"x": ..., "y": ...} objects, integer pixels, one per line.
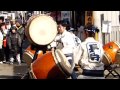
[{"x": 12, "y": 37}]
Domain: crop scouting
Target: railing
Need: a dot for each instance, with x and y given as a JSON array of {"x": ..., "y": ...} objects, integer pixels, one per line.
[{"x": 113, "y": 36}]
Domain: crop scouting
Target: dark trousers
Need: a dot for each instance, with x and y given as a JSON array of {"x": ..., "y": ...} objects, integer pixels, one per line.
[
  {"x": 21, "y": 51},
  {"x": 6, "y": 53},
  {"x": 73, "y": 75},
  {"x": 1, "y": 55}
]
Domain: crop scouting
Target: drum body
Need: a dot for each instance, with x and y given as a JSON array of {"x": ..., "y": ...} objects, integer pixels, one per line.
[
  {"x": 51, "y": 65},
  {"x": 110, "y": 50},
  {"x": 29, "y": 54},
  {"x": 117, "y": 57},
  {"x": 41, "y": 30}
]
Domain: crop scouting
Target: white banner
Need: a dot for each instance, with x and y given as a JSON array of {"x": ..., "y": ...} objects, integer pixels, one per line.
[{"x": 106, "y": 26}]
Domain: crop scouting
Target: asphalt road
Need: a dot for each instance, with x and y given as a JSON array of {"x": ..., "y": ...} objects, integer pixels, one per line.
[{"x": 14, "y": 71}]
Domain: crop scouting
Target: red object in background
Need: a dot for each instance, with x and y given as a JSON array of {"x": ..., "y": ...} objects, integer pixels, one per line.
[{"x": 4, "y": 43}]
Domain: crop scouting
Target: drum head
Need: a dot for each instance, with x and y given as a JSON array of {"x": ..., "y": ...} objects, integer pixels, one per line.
[
  {"x": 42, "y": 30},
  {"x": 63, "y": 62}
]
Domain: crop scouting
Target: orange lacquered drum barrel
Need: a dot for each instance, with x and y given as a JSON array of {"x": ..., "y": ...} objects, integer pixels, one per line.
[
  {"x": 110, "y": 49},
  {"x": 51, "y": 65},
  {"x": 29, "y": 54},
  {"x": 41, "y": 30}
]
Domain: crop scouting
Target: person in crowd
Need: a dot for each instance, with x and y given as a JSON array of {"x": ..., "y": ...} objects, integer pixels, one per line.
[
  {"x": 8, "y": 25},
  {"x": 14, "y": 43},
  {"x": 12, "y": 22},
  {"x": 21, "y": 32},
  {"x": 1, "y": 48},
  {"x": 1, "y": 19},
  {"x": 80, "y": 34},
  {"x": 5, "y": 33}
]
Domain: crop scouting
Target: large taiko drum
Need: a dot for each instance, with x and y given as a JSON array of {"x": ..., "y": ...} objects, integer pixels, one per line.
[
  {"x": 52, "y": 65},
  {"x": 29, "y": 54},
  {"x": 110, "y": 50},
  {"x": 41, "y": 29}
]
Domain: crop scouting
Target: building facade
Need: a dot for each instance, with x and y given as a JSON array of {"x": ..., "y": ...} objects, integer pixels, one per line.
[{"x": 108, "y": 32}]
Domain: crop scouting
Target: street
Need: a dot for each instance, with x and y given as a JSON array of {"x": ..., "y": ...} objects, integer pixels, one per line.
[{"x": 16, "y": 71}]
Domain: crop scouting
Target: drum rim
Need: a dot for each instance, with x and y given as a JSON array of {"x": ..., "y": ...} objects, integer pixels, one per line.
[
  {"x": 31, "y": 69},
  {"x": 63, "y": 67},
  {"x": 117, "y": 44},
  {"x": 27, "y": 30},
  {"x": 28, "y": 55},
  {"x": 106, "y": 56}
]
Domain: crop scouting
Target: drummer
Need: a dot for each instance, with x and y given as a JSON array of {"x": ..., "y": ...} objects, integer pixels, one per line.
[
  {"x": 66, "y": 43},
  {"x": 92, "y": 54}
]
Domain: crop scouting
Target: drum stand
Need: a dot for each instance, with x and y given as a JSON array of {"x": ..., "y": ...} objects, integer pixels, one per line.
[{"x": 112, "y": 68}]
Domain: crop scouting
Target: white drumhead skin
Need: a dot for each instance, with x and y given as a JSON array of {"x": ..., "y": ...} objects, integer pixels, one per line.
[
  {"x": 61, "y": 60},
  {"x": 42, "y": 30}
]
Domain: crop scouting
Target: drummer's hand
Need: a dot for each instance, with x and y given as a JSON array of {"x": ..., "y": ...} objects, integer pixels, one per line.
[
  {"x": 58, "y": 41},
  {"x": 52, "y": 49}
]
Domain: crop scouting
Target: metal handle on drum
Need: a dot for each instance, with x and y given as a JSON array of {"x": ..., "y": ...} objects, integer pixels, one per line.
[
  {"x": 43, "y": 48},
  {"x": 110, "y": 47}
]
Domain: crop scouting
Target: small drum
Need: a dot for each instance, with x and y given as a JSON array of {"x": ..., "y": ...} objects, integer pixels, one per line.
[
  {"x": 41, "y": 30},
  {"x": 51, "y": 65},
  {"x": 29, "y": 54},
  {"x": 110, "y": 50}
]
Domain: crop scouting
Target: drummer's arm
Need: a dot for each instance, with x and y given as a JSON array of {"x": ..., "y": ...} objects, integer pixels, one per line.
[{"x": 81, "y": 57}]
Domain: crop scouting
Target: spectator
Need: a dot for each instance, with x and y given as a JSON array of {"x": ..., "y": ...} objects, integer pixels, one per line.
[
  {"x": 14, "y": 42},
  {"x": 1, "y": 48},
  {"x": 21, "y": 32},
  {"x": 5, "y": 33},
  {"x": 12, "y": 22},
  {"x": 1, "y": 20}
]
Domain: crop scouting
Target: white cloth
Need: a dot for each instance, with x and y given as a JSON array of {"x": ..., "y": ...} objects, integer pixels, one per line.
[
  {"x": 8, "y": 26},
  {"x": 66, "y": 39},
  {"x": 1, "y": 39},
  {"x": 68, "y": 42},
  {"x": 6, "y": 31},
  {"x": 17, "y": 57},
  {"x": 87, "y": 53}
]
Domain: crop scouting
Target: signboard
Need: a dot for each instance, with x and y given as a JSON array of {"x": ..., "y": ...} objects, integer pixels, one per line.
[
  {"x": 106, "y": 26},
  {"x": 65, "y": 15},
  {"x": 88, "y": 17}
]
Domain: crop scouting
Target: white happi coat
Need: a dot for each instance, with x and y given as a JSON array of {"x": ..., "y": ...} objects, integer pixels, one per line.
[{"x": 92, "y": 54}]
